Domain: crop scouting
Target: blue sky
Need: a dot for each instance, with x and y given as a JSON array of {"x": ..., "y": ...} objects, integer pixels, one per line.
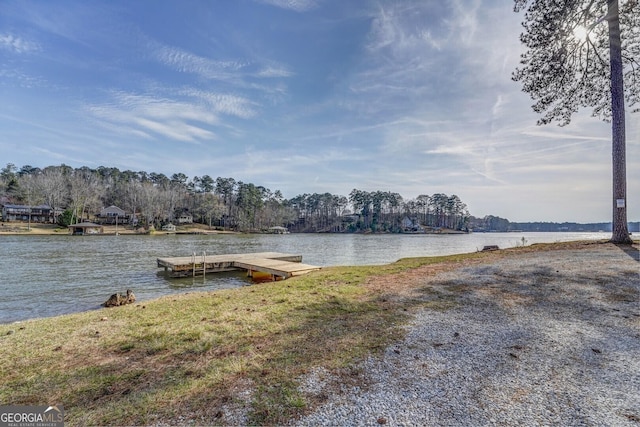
[{"x": 301, "y": 96}]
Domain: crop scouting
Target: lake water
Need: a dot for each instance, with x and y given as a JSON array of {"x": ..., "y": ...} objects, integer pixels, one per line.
[{"x": 45, "y": 276}]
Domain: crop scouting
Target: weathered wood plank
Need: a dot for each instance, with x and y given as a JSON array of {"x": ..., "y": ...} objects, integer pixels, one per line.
[
  {"x": 275, "y": 267},
  {"x": 275, "y": 263}
]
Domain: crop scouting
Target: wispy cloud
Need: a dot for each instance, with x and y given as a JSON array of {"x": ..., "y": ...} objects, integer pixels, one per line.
[
  {"x": 509, "y": 158},
  {"x": 463, "y": 21},
  {"x": 295, "y": 5},
  {"x": 274, "y": 71},
  {"x": 18, "y": 44},
  {"x": 225, "y": 103},
  {"x": 237, "y": 73},
  {"x": 20, "y": 78},
  {"x": 148, "y": 115},
  {"x": 409, "y": 59},
  {"x": 187, "y": 62},
  {"x": 401, "y": 30}
]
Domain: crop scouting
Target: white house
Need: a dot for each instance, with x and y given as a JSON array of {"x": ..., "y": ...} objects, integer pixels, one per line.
[
  {"x": 112, "y": 215},
  {"x": 409, "y": 224},
  {"x": 185, "y": 218}
]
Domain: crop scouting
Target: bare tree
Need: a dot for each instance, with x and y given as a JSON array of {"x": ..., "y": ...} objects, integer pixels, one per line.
[
  {"x": 29, "y": 193},
  {"x": 133, "y": 198},
  {"x": 150, "y": 205},
  {"x": 51, "y": 183},
  {"x": 84, "y": 192}
]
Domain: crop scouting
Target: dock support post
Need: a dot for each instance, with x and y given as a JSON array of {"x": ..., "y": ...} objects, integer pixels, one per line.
[
  {"x": 193, "y": 260},
  {"x": 204, "y": 263}
]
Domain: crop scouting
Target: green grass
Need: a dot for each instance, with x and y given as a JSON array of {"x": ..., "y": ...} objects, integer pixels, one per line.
[{"x": 188, "y": 355}]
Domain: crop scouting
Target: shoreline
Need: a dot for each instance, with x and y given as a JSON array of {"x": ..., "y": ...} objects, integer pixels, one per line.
[{"x": 22, "y": 229}]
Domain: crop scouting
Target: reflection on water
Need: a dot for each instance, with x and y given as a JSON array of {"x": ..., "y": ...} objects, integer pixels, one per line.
[{"x": 51, "y": 275}]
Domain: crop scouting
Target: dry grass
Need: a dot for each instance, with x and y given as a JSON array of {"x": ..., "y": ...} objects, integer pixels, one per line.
[
  {"x": 192, "y": 355},
  {"x": 195, "y": 357}
]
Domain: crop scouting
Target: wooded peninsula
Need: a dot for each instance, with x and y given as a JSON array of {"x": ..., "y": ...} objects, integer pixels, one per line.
[{"x": 153, "y": 200}]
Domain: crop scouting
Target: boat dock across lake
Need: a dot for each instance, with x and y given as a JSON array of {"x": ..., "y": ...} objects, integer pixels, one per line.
[{"x": 277, "y": 264}]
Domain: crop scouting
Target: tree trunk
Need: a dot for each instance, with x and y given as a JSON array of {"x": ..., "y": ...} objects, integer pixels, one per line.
[{"x": 620, "y": 229}]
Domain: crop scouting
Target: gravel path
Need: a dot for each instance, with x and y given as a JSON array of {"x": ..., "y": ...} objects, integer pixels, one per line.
[{"x": 543, "y": 338}]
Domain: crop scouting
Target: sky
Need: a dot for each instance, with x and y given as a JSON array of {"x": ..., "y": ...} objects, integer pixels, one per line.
[{"x": 302, "y": 96}]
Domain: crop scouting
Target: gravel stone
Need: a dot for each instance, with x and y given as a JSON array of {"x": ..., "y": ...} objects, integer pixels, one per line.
[{"x": 541, "y": 338}]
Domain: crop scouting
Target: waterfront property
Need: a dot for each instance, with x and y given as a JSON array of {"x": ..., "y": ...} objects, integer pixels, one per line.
[
  {"x": 40, "y": 213},
  {"x": 278, "y": 230},
  {"x": 112, "y": 215},
  {"x": 185, "y": 218},
  {"x": 169, "y": 227},
  {"x": 83, "y": 228},
  {"x": 277, "y": 264}
]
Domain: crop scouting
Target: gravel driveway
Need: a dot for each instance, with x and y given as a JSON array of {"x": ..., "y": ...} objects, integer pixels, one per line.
[{"x": 540, "y": 338}]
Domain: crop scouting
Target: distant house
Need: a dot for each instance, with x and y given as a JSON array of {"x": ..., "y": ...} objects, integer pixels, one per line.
[
  {"x": 41, "y": 213},
  {"x": 112, "y": 215},
  {"x": 410, "y": 225},
  {"x": 278, "y": 230},
  {"x": 169, "y": 227},
  {"x": 350, "y": 217},
  {"x": 185, "y": 218}
]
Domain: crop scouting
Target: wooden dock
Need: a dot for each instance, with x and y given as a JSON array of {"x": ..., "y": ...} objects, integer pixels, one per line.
[{"x": 279, "y": 265}]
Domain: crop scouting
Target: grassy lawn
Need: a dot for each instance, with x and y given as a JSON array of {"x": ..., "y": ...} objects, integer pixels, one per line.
[{"x": 185, "y": 357}]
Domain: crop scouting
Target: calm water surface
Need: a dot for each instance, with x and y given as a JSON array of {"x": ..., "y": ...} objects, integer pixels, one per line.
[{"x": 45, "y": 276}]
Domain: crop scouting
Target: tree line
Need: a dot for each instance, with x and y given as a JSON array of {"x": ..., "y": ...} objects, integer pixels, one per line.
[{"x": 156, "y": 199}]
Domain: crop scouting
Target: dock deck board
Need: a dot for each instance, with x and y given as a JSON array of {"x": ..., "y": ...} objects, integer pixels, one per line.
[{"x": 274, "y": 263}]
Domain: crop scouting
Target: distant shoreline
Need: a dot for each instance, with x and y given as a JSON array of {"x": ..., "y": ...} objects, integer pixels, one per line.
[{"x": 21, "y": 229}]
